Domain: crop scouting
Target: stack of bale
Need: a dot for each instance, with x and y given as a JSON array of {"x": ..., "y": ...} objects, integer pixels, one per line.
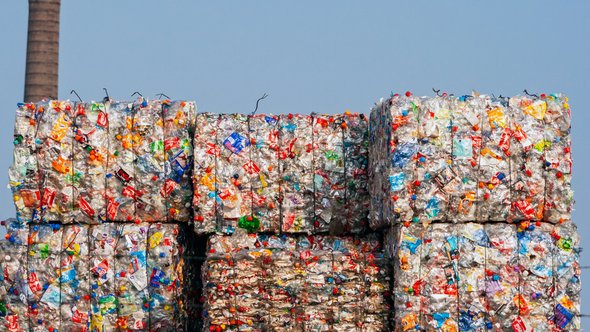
[
  {"x": 289, "y": 180},
  {"x": 459, "y": 220},
  {"x": 103, "y": 195},
  {"x": 475, "y": 196}
]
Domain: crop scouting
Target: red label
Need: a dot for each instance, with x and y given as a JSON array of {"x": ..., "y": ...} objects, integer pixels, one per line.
[
  {"x": 12, "y": 321},
  {"x": 251, "y": 167},
  {"x": 103, "y": 119},
  {"x": 130, "y": 192},
  {"x": 518, "y": 325},
  {"x": 525, "y": 208},
  {"x": 80, "y": 317},
  {"x": 168, "y": 187},
  {"x": 171, "y": 143},
  {"x": 101, "y": 269},
  {"x": 86, "y": 208},
  {"x": 48, "y": 197},
  {"x": 504, "y": 143},
  {"x": 212, "y": 149},
  {"x": 112, "y": 209},
  {"x": 34, "y": 284}
]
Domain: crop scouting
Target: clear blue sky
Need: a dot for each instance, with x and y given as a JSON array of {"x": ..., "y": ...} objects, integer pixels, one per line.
[{"x": 312, "y": 56}]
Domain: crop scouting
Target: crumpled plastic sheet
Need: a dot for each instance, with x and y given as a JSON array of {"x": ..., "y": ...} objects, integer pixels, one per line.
[
  {"x": 493, "y": 276},
  {"x": 295, "y": 283},
  {"x": 91, "y": 162},
  {"x": 289, "y": 173},
  {"x": 92, "y": 277},
  {"x": 470, "y": 159}
]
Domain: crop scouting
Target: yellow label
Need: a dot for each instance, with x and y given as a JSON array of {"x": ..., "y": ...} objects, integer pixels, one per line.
[
  {"x": 536, "y": 109},
  {"x": 496, "y": 118}
]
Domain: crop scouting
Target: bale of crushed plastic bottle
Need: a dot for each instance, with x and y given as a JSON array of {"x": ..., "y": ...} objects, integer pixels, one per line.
[
  {"x": 103, "y": 161},
  {"x": 470, "y": 159}
]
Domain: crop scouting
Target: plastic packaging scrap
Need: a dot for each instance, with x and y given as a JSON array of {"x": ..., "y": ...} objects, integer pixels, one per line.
[
  {"x": 295, "y": 283},
  {"x": 470, "y": 159},
  {"x": 264, "y": 171},
  {"x": 91, "y": 162},
  {"x": 289, "y": 173},
  {"x": 14, "y": 309},
  {"x": 92, "y": 277},
  {"x": 494, "y": 276},
  {"x": 137, "y": 276}
]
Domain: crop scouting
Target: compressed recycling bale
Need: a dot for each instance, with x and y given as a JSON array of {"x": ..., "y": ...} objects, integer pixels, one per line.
[
  {"x": 205, "y": 200},
  {"x": 356, "y": 159},
  {"x": 14, "y": 277},
  {"x": 74, "y": 275},
  {"x": 493, "y": 198},
  {"x": 558, "y": 160},
  {"x": 503, "y": 152},
  {"x": 264, "y": 171},
  {"x": 527, "y": 153},
  {"x": 466, "y": 119},
  {"x": 149, "y": 165},
  {"x": 43, "y": 276},
  {"x": 234, "y": 190},
  {"x": 120, "y": 191},
  {"x": 329, "y": 177},
  {"x": 91, "y": 149},
  {"x": 91, "y": 162},
  {"x": 433, "y": 159},
  {"x": 55, "y": 155},
  {"x": 295, "y": 283},
  {"x": 179, "y": 127},
  {"x": 24, "y": 175},
  {"x": 296, "y": 169},
  {"x": 502, "y": 275}
]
